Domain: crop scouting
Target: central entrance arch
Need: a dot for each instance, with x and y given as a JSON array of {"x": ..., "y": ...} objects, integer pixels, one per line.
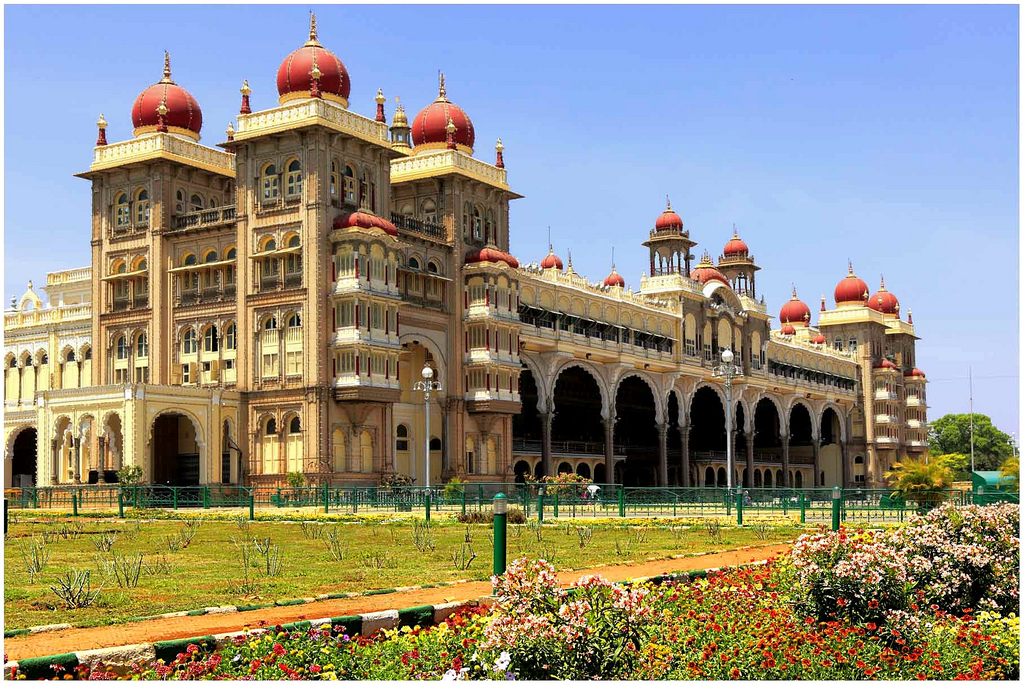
[
  {"x": 175, "y": 450},
  {"x": 23, "y": 463},
  {"x": 636, "y": 431}
]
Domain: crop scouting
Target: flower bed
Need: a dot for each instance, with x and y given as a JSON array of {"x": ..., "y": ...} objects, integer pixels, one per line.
[{"x": 847, "y": 606}]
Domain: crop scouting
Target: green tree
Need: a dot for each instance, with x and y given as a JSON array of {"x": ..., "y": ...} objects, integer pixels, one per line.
[
  {"x": 129, "y": 475},
  {"x": 952, "y": 435},
  {"x": 1011, "y": 470},
  {"x": 959, "y": 464},
  {"x": 296, "y": 479},
  {"x": 920, "y": 482}
]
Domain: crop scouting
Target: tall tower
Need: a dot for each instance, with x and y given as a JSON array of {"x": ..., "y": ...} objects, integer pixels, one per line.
[
  {"x": 669, "y": 245},
  {"x": 737, "y": 264}
]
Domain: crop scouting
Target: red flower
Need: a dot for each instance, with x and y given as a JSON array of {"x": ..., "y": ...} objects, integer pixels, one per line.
[
  {"x": 871, "y": 626},
  {"x": 841, "y": 602},
  {"x": 735, "y": 673},
  {"x": 873, "y": 604},
  {"x": 806, "y": 662},
  {"x": 278, "y": 649},
  {"x": 315, "y": 668}
]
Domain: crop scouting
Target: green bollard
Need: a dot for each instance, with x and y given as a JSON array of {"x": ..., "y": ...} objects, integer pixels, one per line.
[
  {"x": 836, "y": 501},
  {"x": 739, "y": 507},
  {"x": 803, "y": 509},
  {"x": 427, "y": 502},
  {"x": 500, "y": 528},
  {"x": 622, "y": 502},
  {"x": 540, "y": 505},
  {"x": 74, "y": 503},
  {"x": 252, "y": 507}
]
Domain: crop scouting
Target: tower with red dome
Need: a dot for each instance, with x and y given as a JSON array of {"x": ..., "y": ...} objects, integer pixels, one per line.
[
  {"x": 737, "y": 264},
  {"x": 669, "y": 244},
  {"x": 166, "y": 107}
]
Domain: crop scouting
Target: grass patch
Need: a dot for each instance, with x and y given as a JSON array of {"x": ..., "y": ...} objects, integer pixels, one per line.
[{"x": 208, "y": 571}]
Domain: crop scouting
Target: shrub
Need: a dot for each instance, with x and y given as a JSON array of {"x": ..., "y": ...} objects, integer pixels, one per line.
[
  {"x": 514, "y": 515},
  {"x": 36, "y": 557},
  {"x": 454, "y": 488},
  {"x": 921, "y": 482},
  {"x": 129, "y": 475},
  {"x": 296, "y": 479},
  {"x": 74, "y": 589}
]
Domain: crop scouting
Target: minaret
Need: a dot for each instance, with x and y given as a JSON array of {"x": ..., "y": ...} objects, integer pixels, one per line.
[
  {"x": 101, "y": 137},
  {"x": 400, "y": 131},
  {"x": 245, "y": 90},
  {"x": 499, "y": 150},
  {"x": 380, "y": 106}
]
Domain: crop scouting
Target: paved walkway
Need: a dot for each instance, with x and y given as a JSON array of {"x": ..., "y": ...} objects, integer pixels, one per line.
[{"x": 79, "y": 639}]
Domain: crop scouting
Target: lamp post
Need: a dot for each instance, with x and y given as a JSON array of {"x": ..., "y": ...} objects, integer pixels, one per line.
[
  {"x": 727, "y": 371},
  {"x": 427, "y": 385}
]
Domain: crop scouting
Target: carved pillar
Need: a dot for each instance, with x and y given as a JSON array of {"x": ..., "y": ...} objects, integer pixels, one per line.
[
  {"x": 785, "y": 461},
  {"x": 76, "y": 460},
  {"x": 101, "y": 457},
  {"x": 684, "y": 440},
  {"x": 663, "y": 455},
  {"x": 609, "y": 450},
  {"x": 750, "y": 459},
  {"x": 55, "y": 461},
  {"x": 545, "y": 442},
  {"x": 817, "y": 465}
]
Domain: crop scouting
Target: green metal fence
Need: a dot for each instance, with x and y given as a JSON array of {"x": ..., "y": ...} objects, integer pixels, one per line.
[{"x": 540, "y": 502}]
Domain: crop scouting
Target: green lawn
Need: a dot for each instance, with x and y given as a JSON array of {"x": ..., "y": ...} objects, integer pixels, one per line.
[{"x": 376, "y": 555}]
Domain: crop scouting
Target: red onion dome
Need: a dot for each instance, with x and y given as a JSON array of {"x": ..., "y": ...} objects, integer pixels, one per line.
[
  {"x": 788, "y": 330},
  {"x": 493, "y": 255},
  {"x": 182, "y": 116},
  {"x": 735, "y": 247},
  {"x": 551, "y": 261},
  {"x": 884, "y": 301},
  {"x": 295, "y": 75},
  {"x": 429, "y": 128},
  {"x": 364, "y": 220},
  {"x": 851, "y": 290},
  {"x": 614, "y": 279},
  {"x": 706, "y": 271},
  {"x": 668, "y": 220},
  {"x": 884, "y": 364},
  {"x": 819, "y": 339},
  {"x": 795, "y": 311},
  {"x": 915, "y": 373}
]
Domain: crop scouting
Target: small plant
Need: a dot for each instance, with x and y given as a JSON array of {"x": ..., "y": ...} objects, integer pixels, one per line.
[
  {"x": 585, "y": 534},
  {"x": 537, "y": 529},
  {"x": 463, "y": 557},
  {"x": 50, "y": 535},
  {"x": 125, "y": 568},
  {"x": 423, "y": 537},
  {"x": 638, "y": 535},
  {"x": 244, "y": 525},
  {"x": 713, "y": 527},
  {"x": 129, "y": 475},
  {"x": 187, "y": 533},
  {"x": 333, "y": 541},
  {"x": 548, "y": 553},
  {"x": 379, "y": 559},
  {"x": 678, "y": 533},
  {"x": 296, "y": 479},
  {"x": 311, "y": 530},
  {"x": 104, "y": 542},
  {"x": 130, "y": 534},
  {"x": 36, "y": 557},
  {"x": 247, "y": 584},
  {"x": 271, "y": 564},
  {"x": 623, "y": 548},
  {"x": 469, "y": 536},
  {"x": 71, "y": 530},
  {"x": 74, "y": 589},
  {"x": 762, "y": 530},
  {"x": 172, "y": 542},
  {"x": 515, "y": 532},
  {"x": 158, "y": 566},
  {"x": 374, "y": 526}
]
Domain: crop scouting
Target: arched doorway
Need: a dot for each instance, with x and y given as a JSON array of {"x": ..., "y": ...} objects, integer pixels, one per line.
[
  {"x": 636, "y": 431},
  {"x": 707, "y": 432},
  {"x": 564, "y": 467},
  {"x": 23, "y": 459},
  {"x": 675, "y": 466},
  {"x": 576, "y": 427},
  {"x": 830, "y": 457},
  {"x": 583, "y": 470},
  {"x": 801, "y": 441},
  {"x": 175, "y": 450},
  {"x": 599, "y": 473},
  {"x": 521, "y": 470},
  {"x": 739, "y": 451},
  {"x": 767, "y": 438},
  {"x": 526, "y": 425}
]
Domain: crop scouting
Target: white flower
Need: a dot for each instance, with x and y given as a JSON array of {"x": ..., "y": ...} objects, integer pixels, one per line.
[
  {"x": 504, "y": 659},
  {"x": 450, "y": 675}
]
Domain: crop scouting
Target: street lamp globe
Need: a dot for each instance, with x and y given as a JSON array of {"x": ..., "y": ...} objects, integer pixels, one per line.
[
  {"x": 727, "y": 356},
  {"x": 428, "y": 373}
]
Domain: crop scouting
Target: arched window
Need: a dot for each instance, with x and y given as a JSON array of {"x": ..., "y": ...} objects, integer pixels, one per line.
[
  {"x": 853, "y": 344},
  {"x": 141, "y": 345},
  {"x": 120, "y": 268},
  {"x": 211, "y": 256},
  {"x": 478, "y": 226},
  {"x": 179, "y": 205},
  {"x": 294, "y": 321},
  {"x": 270, "y": 324},
  {"x": 229, "y": 336},
  {"x": 435, "y": 444},
  {"x": 28, "y": 361},
  {"x": 350, "y": 185},
  {"x": 142, "y": 207},
  {"x": 402, "y": 438},
  {"x": 190, "y": 259},
  {"x": 432, "y": 267},
  {"x": 44, "y": 359},
  {"x": 213, "y": 202},
  {"x": 231, "y": 253},
  {"x": 122, "y": 348},
  {"x": 211, "y": 342},
  {"x": 293, "y": 262},
  {"x": 414, "y": 263},
  {"x": 197, "y": 202},
  {"x": 270, "y": 245},
  {"x": 293, "y": 179},
  {"x": 429, "y": 212},
  {"x": 271, "y": 427},
  {"x": 69, "y": 358},
  {"x": 122, "y": 217},
  {"x": 270, "y": 183},
  {"x": 142, "y": 265},
  {"x": 88, "y": 353},
  {"x": 188, "y": 341},
  {"x": 335, "y": 180},
  {"x": 295, "y": 426},
  {"x": 14, "y": 362}
]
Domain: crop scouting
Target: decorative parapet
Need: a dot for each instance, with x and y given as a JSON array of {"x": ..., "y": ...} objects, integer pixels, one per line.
[
  {"x": 897, "y": 326},
  {"x": 750, "y": 303},
  {"x": 69, "y": 276},
  {"x": 163, "y": 146},
  {"x": 427, "y": 164},
  {"x": 669, "y": 283},
  {"x": 314, "y": 111},
  {"x": 824, "y": 350},
  {"x": 41, "y": 317},
  {"x": 532, "y": 272},
  {"x": 837, "y": 317}
]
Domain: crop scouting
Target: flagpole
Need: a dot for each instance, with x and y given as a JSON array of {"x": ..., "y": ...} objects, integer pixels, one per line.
[{"x": 970, "y": 391}]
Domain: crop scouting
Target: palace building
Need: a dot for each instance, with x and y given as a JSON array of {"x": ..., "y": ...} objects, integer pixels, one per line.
[{"x": 265, "y": 306}]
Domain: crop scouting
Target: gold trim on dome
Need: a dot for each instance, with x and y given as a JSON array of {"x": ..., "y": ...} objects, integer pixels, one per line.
[
  {"x": 428, "y": 147},
  {"x": 187, "y": 132},
  {"x": 307, "y": 95}
]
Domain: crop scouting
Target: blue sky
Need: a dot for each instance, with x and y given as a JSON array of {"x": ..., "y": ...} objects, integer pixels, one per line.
[{"x": 886, "y": 135}]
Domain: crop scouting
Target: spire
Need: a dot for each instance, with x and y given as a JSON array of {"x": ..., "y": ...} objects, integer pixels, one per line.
[
  {"x": 313, "y": 42},
  {"x": 613, "y": 259},
  {"x": 315, "y": 74},
  {"x": 910, "y": 316},
  {"x": 822, "y": 303},
  {"x": 245, "y": 90},
  {"x": 380, "y": 106},
  {"x": 167, "y": 68},
  {"x": 569, "y": 270},
  {"x": 231, "y": 132},
  {"x": 668, "y": 204},
  {"x": 851, "y": 267},
  {"x": 499, "y": 150},
  {"x": 161, "y": 113},
  {"x": 881, "y": 288},
  {"x": 794, "y": 291},
  {"x": 101, "y": 138},
  {"x": 399, "y": 126},
  {"x": 441, "y": 94}
]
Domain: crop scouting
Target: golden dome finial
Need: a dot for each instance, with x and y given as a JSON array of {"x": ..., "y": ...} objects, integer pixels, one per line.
[
  {"x": 167, "y": 68},
  {"x": 498, "y": 146},
  {"x": 102, "y": 123},
  {"x": 161, "y": 109},
  {"x": 441, "y": 92},
  {"x": 245, "y": 89},
  {"x": 794, "y": 291},
  {"x": 851, "y": 266},
  {"x": 882, "y": 287},
  {"x": 312, "y": 30},
  {"x": 668, "y": 204},
  {"x": 450, "y": 127},
  {"x": 400, "y": 119},
  {"x": 735, "y": 233},
  {"x": 380, "y": 99},
  {"x": 230, "y": 131}
]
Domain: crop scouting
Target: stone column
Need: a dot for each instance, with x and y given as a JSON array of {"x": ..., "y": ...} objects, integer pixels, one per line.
[
  {"x": 101, "y": 457},
  {"x": 750, "y": 459},
  {"x": 609, "y": 450},
  {"x": 785, "y": 461},
  {"x": 55, "y": 461},
  {"x": 816, "y": 442},
  {"x": 844, "y": 452},
  {"x": 545, "y": 442},
  {"x": 663, "y": 455},
  {"x": 684, "y": 440},
  {"x": 76, "y": 460}
]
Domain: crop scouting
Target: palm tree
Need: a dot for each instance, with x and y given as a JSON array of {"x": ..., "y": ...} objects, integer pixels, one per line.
[
  {"x": 920, "y": 482},
  {"x": 1011, "y": 470}
]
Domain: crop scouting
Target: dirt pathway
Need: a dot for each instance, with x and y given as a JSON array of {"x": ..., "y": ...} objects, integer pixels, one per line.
[{"x": 79, "y": 639}]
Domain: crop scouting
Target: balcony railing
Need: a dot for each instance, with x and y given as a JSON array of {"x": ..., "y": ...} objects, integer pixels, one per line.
[
  {"x": 140, "y": 301},
  {"x": 204, "y": 217},
  {"x": 119, "y": 304},
  {"x": 293, "y": 280},
  {"x": 408, "y": 223}
]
